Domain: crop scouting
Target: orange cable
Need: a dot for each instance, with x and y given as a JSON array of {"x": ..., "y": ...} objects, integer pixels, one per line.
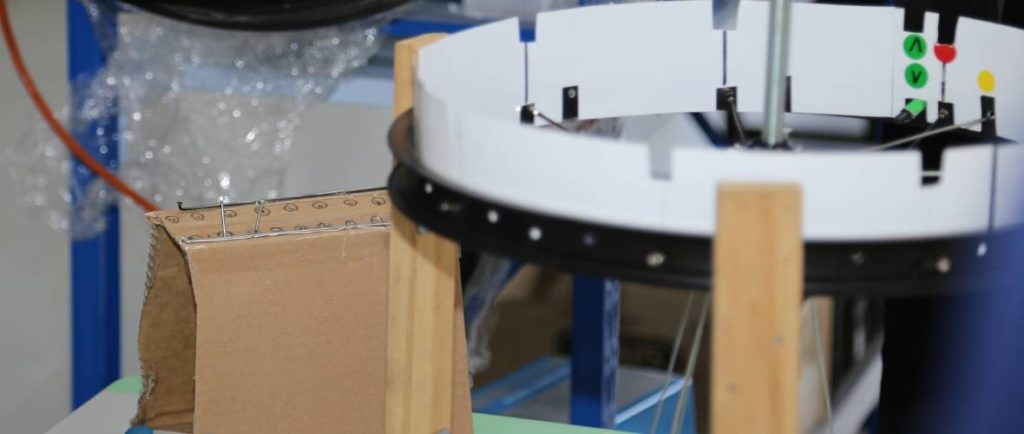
[{"x": 44, "y": 110}]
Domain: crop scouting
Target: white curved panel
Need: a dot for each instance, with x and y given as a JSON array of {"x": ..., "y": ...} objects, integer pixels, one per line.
[
  {"x": 482, "y": 69},
  {"x": 747, "y": 55},
  {"x": 628, "y": 59},
  {"x": 438, "y": 145},
  {"x": 983, "y": 46},
  {"x": 838, "y": 68},
  {"x": 468, "y": 130},
  {"x": 847, "y": 195},
  {"x": 1009, "y": 206},
  {"x": 571, "y": 176}
]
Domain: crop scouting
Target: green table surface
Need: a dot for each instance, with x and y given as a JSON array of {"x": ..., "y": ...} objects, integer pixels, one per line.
[{"x": 482, "y": 423}]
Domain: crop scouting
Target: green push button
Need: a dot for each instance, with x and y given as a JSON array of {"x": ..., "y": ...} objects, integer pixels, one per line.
[
  {"x": 916, "y": 75},
  {"x": 915, "y": 46}
]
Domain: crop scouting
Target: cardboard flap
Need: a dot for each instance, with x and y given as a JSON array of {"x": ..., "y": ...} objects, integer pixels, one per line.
[
  {"x": 291, "y": 333},
  {"x": 167, "y": 335}
]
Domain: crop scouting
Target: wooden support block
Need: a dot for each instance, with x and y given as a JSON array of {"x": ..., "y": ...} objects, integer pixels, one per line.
[
  {"x": 757, "y": 296},
  {"x": 425, "y": 325}
]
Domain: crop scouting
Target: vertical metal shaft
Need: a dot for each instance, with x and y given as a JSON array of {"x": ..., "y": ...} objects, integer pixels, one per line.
[{"x": 778, "y": 59}]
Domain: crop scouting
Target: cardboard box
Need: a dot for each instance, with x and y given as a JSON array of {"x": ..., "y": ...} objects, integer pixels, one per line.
[{"x": 275, "y": 329}]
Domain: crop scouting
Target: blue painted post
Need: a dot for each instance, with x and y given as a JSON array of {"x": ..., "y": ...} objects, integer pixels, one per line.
[
  {"x": 95, "y": 262},
  {"x": 595, "y": 351}
]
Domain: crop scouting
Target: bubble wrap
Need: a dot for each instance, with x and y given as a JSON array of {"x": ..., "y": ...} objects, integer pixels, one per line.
[{"x": 195, "y": 113}]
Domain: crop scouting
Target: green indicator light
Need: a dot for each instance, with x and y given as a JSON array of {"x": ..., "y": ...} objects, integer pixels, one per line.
[
  {"x": 915, "y": 107},
  {"x": 916, "y": 75},
  {"x": 915, "y": 46}
]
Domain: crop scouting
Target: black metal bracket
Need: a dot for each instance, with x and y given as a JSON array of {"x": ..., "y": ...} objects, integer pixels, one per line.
[{"x": 570, "y": 103}]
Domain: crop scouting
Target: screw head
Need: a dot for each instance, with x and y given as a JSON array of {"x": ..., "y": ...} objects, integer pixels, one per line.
[
  {"x": 944, "y": 265},
  {"x": 655, "y": 259},
  {"x": 535, "y": 233}
]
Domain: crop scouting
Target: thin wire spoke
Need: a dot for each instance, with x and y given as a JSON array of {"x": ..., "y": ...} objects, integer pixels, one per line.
[
  {"x": 691, "y": 365},
  {"x": 825, "y": 388},
  {"x": 676, "y": 345},
  {"x": 927, "y": 134}
]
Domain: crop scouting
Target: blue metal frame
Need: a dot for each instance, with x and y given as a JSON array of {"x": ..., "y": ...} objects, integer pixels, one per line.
[
  {"x": 95, "y": 262},
  {"x": 595, "y": 351},
  {"x": 521, "y": 386},
  {"x": 408, "y": 27}
]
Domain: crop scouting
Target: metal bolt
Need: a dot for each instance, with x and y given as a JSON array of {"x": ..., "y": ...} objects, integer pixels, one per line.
[
  {"x": 428, "y": 187},
  {"x": 655, "y": 259},
  {"x": 535, "y": 233},
  {"x": 589, "y": 240},
  {"x": 857, "y": 258},
  {"x": 572, "y": 93},
  {"x": 493, "y": 216},
  {"x": 944, "y": 265},
  {"x": 982, "y": 249}
]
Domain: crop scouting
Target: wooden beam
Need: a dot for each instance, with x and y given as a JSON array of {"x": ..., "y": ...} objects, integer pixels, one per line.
[
  {"x": 757, "y": 295},
  {"x": 423, "y": 277}
]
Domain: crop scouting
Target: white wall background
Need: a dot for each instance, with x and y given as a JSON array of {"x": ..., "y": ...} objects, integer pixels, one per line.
[
  {"x": 338, "y": 147},
  {"x": 34, "y": 348}
]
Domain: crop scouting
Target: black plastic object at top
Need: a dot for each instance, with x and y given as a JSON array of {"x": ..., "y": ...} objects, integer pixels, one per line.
[
  {"x": 1010, "y": 12},
  {"x": 266, "y": 15},
  {"x": 877, "y": 268}
]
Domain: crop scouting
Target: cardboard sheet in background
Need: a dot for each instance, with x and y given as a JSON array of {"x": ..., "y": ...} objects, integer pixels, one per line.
[
  {"x": 532, "y": 318},
  {"x": 283, "y": 332}
]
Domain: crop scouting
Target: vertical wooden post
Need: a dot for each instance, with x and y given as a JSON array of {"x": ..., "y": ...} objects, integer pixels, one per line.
[
  {"x": 757, "y": 295},
  {"x": 421, "y": 302}
]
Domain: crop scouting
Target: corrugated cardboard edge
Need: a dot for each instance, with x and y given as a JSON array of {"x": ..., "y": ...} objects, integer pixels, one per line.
[{"x": 167, "y": 329}]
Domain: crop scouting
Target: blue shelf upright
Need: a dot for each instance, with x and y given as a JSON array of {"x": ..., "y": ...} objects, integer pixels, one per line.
[
  {"x": 595, "y": 351},
  {"x": 95, "y": 262}
]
